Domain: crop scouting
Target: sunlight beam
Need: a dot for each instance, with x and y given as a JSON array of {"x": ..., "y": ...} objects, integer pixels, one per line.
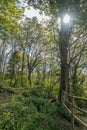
[{"x": 66, "y": 19}]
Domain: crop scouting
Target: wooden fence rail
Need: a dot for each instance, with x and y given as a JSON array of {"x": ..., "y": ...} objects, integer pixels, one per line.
[{"x": 72, "y": 108}]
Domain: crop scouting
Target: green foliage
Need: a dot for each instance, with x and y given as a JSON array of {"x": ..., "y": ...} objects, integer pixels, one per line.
[
  {"x": 9, "y": 17},
  {"x": 31, "y": 113},
  {"x": 63, "y": 112},
  {"x": 79, "y": 91}
]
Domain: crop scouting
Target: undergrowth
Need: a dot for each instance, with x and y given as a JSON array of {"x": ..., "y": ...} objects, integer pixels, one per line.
[{"x": 33, "y": 113}]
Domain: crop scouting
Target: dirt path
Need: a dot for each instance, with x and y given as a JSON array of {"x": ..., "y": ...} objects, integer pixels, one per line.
[{"x": 4, "y": 99}]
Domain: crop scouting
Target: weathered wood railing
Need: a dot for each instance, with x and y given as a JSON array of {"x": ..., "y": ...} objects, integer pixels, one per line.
[{"x": 69, "y": 100}]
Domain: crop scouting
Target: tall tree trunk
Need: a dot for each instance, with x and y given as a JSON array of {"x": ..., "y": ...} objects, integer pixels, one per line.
[
  {"x": 74, "y": 80},
  {"x": 64, "y": 68},
  {"x": 29, "y": 78},
  {"x": 12, "y": 75},
  {"x": 29, "y": 72},
  {"x": 64, "y": 42},
  {"x": 22, "y": 69}
]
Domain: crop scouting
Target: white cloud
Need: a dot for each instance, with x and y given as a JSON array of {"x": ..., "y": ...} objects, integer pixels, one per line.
[
  {"x": 31, "y": 12},
  {"x": 35, "y": 13}
]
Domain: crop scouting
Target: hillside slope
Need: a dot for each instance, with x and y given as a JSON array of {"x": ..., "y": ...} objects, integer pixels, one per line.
[{"x": 34, "y": 112}]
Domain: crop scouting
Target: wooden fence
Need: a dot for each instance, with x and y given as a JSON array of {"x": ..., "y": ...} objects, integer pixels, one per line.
[{"x": 69, "y": 104}]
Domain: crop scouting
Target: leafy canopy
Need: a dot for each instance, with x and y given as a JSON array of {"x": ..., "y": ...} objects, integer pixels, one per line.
[{"x": 9, "y": 16}]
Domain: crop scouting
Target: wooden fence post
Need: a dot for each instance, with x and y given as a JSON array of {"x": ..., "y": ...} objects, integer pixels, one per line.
[
  {"x": 71, "y": 109},
  {"x": 72, "y": 112}
]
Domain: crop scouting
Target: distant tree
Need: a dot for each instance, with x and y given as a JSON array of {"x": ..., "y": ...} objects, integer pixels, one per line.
[
  {"x": 14, "y": 66},
  {"x": 32, "y": 40}
]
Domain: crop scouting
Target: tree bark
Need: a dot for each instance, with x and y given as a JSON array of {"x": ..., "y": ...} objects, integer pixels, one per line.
[
  {"x": 29, "y": 71},
  {"x": 22, "y": 69},
  {"x": 64, "y": 42}
]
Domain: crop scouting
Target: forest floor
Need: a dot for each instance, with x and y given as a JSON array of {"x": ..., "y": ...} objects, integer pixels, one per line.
[{"x": 5, "y": 99}]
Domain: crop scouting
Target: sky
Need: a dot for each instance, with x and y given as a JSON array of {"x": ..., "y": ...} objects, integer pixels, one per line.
[
  {"x": 35, "y": 13},
  {"x": 31, "y": 12}
]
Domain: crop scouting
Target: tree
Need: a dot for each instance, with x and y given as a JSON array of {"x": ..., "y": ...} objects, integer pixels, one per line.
[
  {"x": 32, "y": 40},
  {"x": 62, "y": 8},
  {"x": 77, "y": 50},
  {"x": 10, "y": 14}
]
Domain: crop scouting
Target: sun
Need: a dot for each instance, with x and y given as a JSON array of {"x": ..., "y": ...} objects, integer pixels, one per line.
[{"x": 66, "y": 19}]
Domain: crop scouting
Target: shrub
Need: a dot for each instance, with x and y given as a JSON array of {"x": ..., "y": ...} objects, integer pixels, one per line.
[{"x": 32, "y": 113}]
